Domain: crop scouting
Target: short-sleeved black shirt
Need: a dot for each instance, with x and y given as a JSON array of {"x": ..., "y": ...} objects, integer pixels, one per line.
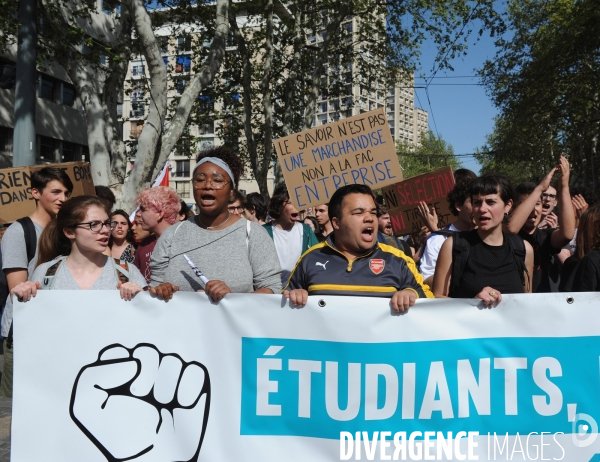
[
  {"x": 587, "y": 278},
  {"x": 545, "y": 278},
  {"x": 486, "y": 265}
]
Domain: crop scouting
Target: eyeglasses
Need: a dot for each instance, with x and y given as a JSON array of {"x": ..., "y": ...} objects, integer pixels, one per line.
[
  {"x": 235, "y": 208},
  {"x": 201, "y": 182},
  {"x": 96, "y": 226},
  {"x": 548, "y": 196}
]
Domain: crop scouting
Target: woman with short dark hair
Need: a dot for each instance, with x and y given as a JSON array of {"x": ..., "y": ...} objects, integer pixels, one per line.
[{"x": 486, "y": 262}]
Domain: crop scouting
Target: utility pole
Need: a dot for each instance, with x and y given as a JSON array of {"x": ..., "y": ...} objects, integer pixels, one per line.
[{"x": 25, "y": 92}]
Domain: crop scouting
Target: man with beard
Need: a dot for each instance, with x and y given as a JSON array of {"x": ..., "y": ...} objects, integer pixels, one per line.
[
  {"x": 352, "y": 262},
  {"x": 386, "y": 232},
  {"x": 546, "y": 243}
]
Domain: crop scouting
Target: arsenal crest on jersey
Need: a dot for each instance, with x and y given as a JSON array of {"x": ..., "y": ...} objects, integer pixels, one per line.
[{"x": 376, "y": 265}]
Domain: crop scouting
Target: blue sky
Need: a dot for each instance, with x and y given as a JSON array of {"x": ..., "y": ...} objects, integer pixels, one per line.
[{"x": 464, "y": 114}]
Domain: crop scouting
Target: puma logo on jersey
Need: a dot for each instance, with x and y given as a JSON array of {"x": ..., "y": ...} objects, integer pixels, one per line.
[{"x": 322, "y": 264}]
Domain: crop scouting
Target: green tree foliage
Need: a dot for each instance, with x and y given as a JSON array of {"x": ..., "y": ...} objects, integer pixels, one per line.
[
  {"x": 289, "y": 58},
  {"x": 430, "y": 153},
  {"x": 545, "y": 79}
]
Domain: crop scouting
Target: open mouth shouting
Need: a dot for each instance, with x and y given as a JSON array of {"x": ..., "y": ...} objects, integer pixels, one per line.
[
  {"x": 532, "y": 218},
  {"x": 295, "y": 216},
  {"x": 207, "y": 199},
  {"x": 368, "y": 233}
]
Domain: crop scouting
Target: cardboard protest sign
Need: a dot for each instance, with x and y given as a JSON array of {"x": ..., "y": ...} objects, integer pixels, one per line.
[
  {"x": 402, "y": 200},
  {"x": 316, "y": 162},
  {"x": 15, "y": 187}
]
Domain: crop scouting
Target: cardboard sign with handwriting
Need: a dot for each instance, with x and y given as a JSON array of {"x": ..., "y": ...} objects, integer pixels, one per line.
[
  {"x": 15, "y": 187},
  {"x": 356, "y": 150},
  {"x": 402, "y": 200}
]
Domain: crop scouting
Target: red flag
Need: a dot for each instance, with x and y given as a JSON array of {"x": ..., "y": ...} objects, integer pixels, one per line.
[{"x": 163, "y": 178}]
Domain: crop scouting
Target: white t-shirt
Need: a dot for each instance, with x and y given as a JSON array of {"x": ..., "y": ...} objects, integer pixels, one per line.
[
  {"x": 289, "y": 249},
  {"x": 430, "y": 256}
]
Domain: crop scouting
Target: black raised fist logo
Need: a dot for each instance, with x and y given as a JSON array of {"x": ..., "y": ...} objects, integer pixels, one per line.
[{"x": 143, "y": 405}]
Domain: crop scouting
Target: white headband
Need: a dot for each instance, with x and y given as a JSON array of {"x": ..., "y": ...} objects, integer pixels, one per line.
[{"x": 218, "y": 162}]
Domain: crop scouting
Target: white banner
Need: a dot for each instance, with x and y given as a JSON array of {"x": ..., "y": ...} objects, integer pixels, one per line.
[{"x": 251, "y": 379}]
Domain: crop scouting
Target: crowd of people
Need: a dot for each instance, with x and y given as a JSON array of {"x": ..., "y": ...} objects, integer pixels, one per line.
[{"x": 542, "y": 237}]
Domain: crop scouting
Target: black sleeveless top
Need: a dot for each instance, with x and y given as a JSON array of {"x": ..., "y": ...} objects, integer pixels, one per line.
[{"x": 487, "y": 265}]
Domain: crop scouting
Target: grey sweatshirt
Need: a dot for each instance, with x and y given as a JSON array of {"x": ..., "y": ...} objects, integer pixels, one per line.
[{"x": 221, "y": 255}]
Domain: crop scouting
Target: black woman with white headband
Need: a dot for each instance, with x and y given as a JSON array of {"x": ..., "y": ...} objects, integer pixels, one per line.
[{"x": 232, "y": 254}]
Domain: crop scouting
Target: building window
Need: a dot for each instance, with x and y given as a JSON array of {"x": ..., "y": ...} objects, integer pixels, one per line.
[
  {"x": 68, "y": 94},
  {"x": 6, "y": 136},
  {"x": 182, "y": 168},
  {"x": 69, "y": 151},
  {"x": 85, "y": 153},
  {"x": 47, "y": 148},
  {"x": 180, "y": 86},
  {"x": 184, "y": 63},
  {"x": 183, "y": 188},
  {"x": 137, "y": 69},
  {"x": 206, "y": 143},
  {"x": 184, "y": 43},
  {"x": 47, "y": 87},
  {"x": 137, "y": 93},
  {"x": 206, "y": 103},
  {"x": 138, "y": 109},
  {"x": 163, "y": 42},
  {"x": 206, "y": 129}
]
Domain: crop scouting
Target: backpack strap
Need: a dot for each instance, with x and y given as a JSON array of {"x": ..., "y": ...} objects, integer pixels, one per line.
[
  {"x": 460, "y": 255},
  {"x": 122, "y": 270},
  {"x": 30, "y": 237},
  {"x": 48, "y": 281},
  {"x": 519, "y": 252},
  {"x": 30, "y": 246}
]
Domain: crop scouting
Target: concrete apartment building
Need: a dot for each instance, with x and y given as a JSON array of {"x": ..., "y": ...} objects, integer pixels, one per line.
[
  {"x": 406, "y": 121},
  {"x": 61, "y": 133}
]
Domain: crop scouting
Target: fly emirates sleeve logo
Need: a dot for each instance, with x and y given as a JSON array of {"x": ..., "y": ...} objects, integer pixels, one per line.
[{"x": 502, "y": 386}]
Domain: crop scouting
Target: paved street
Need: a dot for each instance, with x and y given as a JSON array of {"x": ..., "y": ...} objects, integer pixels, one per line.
[{"x": 5, "y": 414}]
